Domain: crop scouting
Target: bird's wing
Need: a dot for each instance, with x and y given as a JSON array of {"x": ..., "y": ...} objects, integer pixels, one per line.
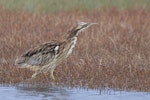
[{"x": 40, "y": 55}]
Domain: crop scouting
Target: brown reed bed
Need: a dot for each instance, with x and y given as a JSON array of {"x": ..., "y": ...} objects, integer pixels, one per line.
[{"x": 114, "y": 54}]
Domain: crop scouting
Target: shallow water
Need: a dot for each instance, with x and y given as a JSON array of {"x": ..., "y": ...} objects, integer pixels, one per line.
[{"x": 22, "y": 92}]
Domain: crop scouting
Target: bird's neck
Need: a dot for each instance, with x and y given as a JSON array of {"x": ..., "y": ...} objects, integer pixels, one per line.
[
  {"x": 71, "y": 44},
  {"x": 73, "y": 33},
  {"x": 71, "y": 40}
]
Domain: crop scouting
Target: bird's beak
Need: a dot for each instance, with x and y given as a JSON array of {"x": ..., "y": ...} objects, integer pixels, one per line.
[{"x": 92, "y": 24}]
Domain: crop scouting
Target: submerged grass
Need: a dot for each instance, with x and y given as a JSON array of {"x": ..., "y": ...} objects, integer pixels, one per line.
[
  {"x": 114, "y": 54},
  {"x": 69, "y": 5}
]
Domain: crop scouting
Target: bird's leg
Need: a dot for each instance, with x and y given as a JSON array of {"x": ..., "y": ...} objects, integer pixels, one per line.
[
  {"x": 47, "y": 78},
  {"x": 52, "y": 74}
]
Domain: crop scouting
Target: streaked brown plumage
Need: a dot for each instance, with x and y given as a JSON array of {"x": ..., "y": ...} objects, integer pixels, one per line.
[{"x": 46, "y": 57}]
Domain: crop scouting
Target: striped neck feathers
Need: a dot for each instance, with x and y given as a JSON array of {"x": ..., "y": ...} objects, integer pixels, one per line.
[
  {"x": 72, "y": 45},
  {"x": 73, "y": 33}
]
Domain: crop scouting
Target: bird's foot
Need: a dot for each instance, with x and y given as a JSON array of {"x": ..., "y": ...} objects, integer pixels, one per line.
[
  {"x": 34, "y": 75},
  {"x": 52, "y": 76}
]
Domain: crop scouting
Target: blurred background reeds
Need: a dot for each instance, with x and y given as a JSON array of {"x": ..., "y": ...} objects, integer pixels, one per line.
[{"x": 114, "y": 54}]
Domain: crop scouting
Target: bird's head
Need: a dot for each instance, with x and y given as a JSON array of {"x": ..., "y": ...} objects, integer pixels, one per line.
[
  {"x": 83, "y": 25},
  {"x": 79, "y": 27}
]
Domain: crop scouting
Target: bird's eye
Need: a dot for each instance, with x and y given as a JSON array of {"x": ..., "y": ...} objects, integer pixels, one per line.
[{"x": 85, "y": 25}]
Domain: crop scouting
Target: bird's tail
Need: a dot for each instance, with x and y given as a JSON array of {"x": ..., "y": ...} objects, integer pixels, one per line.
[{"x": 20, "y": 62}]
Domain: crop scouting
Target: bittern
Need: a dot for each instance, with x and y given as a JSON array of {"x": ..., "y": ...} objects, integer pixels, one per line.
[{"x": 46, "y": 57}]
